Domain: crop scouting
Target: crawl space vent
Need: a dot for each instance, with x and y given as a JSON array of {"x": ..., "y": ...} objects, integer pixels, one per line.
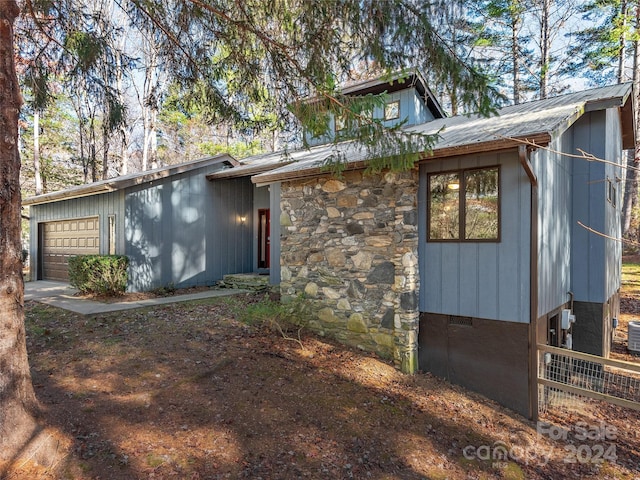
[{"x": 464, "y": 321}]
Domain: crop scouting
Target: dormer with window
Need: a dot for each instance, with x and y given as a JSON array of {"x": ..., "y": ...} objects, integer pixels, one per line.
[{"x": 407, "y": 99}]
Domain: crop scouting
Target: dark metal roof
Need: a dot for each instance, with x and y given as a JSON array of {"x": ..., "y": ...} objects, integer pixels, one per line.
[
  {"x": 132, "y": 179},
  {"x": 538, "y": 121}
]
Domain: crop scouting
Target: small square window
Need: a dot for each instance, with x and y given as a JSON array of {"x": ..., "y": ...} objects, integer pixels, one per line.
[{"x": 392, "y": 110}]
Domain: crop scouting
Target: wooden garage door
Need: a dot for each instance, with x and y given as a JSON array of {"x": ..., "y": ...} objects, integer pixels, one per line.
[{"x": 63, "y": 239}]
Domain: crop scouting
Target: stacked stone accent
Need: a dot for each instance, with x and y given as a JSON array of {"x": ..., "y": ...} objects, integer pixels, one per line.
[
  {"x": 245, "y": 281},
  {"x": 350, "y": 247}
]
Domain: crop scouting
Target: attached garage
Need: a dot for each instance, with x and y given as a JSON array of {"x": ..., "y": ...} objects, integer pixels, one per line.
[
  {"x": 65, "y": 238},
  {"x": 175, "y": 226}
]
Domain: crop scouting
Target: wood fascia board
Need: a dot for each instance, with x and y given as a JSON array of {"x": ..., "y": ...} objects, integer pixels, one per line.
[
  {"x": 604, "y": 103},
  {"x": 439, "y": 153},
  {"x": 301, "y": 174},
  {"x": 114, "y": 184},
  {"x": 490, "y": 146},
  {"x": 628, "y": 123},
  {"x": 245, "y": 172},
  {"x": 68, "y": 195}
]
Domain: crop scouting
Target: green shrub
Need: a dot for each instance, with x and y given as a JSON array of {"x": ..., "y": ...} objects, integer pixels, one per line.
[
  {"x": 284, "y": 318},
  {"x": 99, "y": 274},
  {"x": 289, "y": 315}
]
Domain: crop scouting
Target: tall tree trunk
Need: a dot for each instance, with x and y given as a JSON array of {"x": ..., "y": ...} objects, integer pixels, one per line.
[
  {"x": 632, "y": 183},
  {"x": 83, "y": 156},
  {"x": 36, "y": 151},
  {"x": 122, "y": 129},
  {"x": 630, "y": 199},
  {"x": 515, "y": 56},
  {"x": 630, "y": 193},
  {"x": 124, "y": 150},
  {"x": 622, "y": 42},
  {"x": 153, "y": 136},
  {"x": 18, "y": 403},
  {"x": 516, "y": 23},
  {"x": 105, "y": 151},
  {"x": 145, "y": 140},
  {"x": 545, "y": 47},
  {"x": 92, "y": 150}
]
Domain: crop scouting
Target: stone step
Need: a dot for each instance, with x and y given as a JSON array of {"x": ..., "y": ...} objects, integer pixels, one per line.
[{"x": 246, "y": 281}]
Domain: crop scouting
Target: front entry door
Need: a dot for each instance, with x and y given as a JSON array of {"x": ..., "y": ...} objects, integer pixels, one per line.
[{"x": 264, "y": 240}]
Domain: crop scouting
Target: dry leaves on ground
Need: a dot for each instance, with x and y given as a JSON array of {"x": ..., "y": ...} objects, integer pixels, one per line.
[{"x": 187, "y": 391}]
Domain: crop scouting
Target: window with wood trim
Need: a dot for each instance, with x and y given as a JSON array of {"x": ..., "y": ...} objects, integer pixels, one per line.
[
  {"x": 112, "y": 235},
  {"x": 464, "y": 205}
]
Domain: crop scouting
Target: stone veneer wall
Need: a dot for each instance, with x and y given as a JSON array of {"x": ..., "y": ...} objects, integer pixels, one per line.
[{"x": 350, "y": 246}]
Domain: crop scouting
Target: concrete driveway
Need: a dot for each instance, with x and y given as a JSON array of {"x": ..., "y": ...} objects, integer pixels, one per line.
[{"x": 62, "y": 295}]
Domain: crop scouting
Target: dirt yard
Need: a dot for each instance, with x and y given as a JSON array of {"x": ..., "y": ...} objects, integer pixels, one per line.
[{"x": 187, "y": 391}]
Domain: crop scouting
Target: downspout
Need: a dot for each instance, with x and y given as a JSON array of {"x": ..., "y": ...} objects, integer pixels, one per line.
[{"x": 523, "y": 155}]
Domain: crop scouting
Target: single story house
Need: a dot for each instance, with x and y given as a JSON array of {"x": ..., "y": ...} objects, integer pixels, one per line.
[
  {"x": 167, "y": 221},
  {"x": 459, "y": 266}
]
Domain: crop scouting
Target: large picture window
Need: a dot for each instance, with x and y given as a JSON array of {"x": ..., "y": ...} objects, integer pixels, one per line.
[{"x": 465, "y": 205}]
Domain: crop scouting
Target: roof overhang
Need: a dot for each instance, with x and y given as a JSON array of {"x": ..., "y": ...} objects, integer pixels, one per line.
[
  {"x": 540, "y": 139},
  {"x": 628, "y": 121},
  {"x": 246, "y": 170},
  {"x": 390, "y": 84},
  {"x": 126, "y": 181},
  {"x": 534, "y": 124}
]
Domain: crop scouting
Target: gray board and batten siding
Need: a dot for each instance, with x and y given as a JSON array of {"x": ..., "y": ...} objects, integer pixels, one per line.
[
  {"x": 596, "y": 265},
  {"x": 491, "y": 279},
  {"x": 412, "y": 110},
  {"x": 187, "y": 231},
  {"x": 264, "y": 196},
  {"x": 102, "y": 206},
  {"x": 479, "y": 279},
  {"x": 475, "y": 297},
  {"x": 597, "y": 258},
  {"x": 274, "y": 196},
  {"x": 554, "y": 174},
  {"x": 176, "y": 227},
  {"x": 574, "y": 191}
]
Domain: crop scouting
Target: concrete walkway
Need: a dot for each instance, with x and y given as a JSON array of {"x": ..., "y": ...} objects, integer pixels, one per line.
[{"x": 62, "y": 295}]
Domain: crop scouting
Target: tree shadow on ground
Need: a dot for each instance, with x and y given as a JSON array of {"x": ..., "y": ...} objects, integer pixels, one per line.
[{"x": 185, "y": 391}]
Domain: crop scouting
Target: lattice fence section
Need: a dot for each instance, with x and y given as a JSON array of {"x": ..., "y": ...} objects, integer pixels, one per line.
[{"x": 576, "y": 381}]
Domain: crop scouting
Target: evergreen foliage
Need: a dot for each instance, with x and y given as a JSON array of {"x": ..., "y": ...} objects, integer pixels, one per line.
[
  {"x": 231, "y": 56},
  {"x": 601, "y": 49},
  {"x": 99, "y": 274}
]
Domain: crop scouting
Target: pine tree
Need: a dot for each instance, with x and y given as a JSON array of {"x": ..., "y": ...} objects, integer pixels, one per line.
[
  {"x": 18, "y": 405},
  {"x": 549, "y": 20},
  {"x": 607, "y": 52},
  {"x": 601, "y": 52},
  {"x": 504, "y": 42},
  {"x": 307, "y": 48}
]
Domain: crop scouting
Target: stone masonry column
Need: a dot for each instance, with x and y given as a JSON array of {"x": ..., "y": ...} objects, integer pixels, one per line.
[{"x": 350, "y": 249}]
